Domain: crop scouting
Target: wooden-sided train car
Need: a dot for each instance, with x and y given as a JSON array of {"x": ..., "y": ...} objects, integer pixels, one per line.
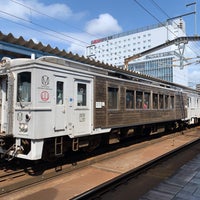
[{"x": 51, "y": 105}]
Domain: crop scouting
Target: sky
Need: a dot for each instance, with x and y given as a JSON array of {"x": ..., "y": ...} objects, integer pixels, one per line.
[{"x": 72, "y": 24}]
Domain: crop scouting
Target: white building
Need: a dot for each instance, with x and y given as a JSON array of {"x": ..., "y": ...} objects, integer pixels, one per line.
[{"x": 164, "y": 64}]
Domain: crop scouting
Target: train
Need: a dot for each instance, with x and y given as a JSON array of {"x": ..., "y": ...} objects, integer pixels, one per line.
[{"x": 50, "y": 106}]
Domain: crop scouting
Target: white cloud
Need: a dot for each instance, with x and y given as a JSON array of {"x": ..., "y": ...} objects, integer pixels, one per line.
[
  {"x": 103, "y": 25},
  {"x": 54, "y": 10},
  {"x": 77, "y": 42},
  {"x": 25, "y": 9}
]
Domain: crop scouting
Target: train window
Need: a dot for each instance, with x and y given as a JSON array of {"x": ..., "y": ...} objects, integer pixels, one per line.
[
  {"x": 59, "y": 92},
  {"x": 161, "y": 101},
  {"x": 166, "y": 101},
  {"x": 139, "y": 100},
  {"x": 188, "y": 102},
  {"x": 171, "y": 102},
  {"x": 81, "y": 94},
  {"x": 129, "y": 99},
  {"x": 24, "y": 87},
  {"x": 112, "y": 98},
  {"x": 146, "y": 104},
  {"x": 155, "y": 101},
  {"x": 198, "y": 103}
]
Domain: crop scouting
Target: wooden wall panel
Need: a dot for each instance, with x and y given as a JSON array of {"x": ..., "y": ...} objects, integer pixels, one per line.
[{"x": 125, "y": 117}]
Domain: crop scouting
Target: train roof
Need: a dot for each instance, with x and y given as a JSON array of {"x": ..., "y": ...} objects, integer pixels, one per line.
[
  {"x": 115, "y": 71},
  {"x": 110, "y": 70}
]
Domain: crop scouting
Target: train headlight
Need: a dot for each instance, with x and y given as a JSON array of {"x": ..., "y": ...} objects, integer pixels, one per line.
[
  {"x": 27, "y": 117},
  {"x": 23, "y": 127}
]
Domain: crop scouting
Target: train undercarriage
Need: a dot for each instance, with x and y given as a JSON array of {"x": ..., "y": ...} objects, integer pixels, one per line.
[{"x": 53, "y": 148}]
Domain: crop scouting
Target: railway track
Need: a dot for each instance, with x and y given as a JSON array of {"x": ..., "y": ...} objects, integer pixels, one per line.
[
  {"x": 9, "y": 175},
  {"x": 28, "y": 176}
]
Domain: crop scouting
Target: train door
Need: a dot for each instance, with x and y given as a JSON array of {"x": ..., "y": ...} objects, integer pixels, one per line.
[
  {"x": 3, "y": 104},
  {"x": 60, "y": 107},
  {"x": 83, "y": 107}
]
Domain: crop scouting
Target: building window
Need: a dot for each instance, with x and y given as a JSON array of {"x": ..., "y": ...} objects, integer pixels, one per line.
[
  {"x": 112, "y": 98},
  {"x": 129, "y": 99}
]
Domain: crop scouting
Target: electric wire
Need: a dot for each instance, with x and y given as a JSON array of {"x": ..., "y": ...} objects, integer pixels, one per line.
[
  {"x": 39, "y": 30},
  {"x": 41, "y": 26},
  {"x": 160, "y": 9},
  {"x": 157, "y": 18},
  {"x": 50, "y": 17}
]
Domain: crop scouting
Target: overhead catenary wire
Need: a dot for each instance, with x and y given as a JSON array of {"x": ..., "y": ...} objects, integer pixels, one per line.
[
  {"x": 49, "y": 16},
  {"x": 163, "y": 11},
  {"x": 40, "y": 31},
  {"x": 41, "y": 26},
  {"x": 151, "y": 14}
]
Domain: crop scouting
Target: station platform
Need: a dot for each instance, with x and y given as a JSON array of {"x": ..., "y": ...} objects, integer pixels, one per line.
[{"x": 183, "y": 185}]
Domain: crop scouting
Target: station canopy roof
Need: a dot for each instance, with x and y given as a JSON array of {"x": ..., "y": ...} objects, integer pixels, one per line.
[{"x": 48, "y": 50}]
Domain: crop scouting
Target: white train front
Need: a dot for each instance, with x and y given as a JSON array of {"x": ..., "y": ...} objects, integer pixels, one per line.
[{"x": 41, "y": 101}]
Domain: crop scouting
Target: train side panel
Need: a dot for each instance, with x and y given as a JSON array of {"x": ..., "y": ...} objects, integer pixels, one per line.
[{"x": 115, "y": 109}]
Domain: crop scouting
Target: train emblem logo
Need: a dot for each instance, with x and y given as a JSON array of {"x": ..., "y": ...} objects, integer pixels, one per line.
[
  {"x": 45, "y": 80},
  {"x": 44, "y": 96}
]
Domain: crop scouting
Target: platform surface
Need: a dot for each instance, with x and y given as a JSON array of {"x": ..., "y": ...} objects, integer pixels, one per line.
[{"x": 183, "y": 185}]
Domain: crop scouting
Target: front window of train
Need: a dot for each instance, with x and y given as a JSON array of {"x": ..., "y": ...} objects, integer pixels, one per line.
[{"x": 24, "y": 87}]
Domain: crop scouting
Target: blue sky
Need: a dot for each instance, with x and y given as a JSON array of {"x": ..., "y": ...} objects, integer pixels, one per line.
[{"x": 72, "y": 24}]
